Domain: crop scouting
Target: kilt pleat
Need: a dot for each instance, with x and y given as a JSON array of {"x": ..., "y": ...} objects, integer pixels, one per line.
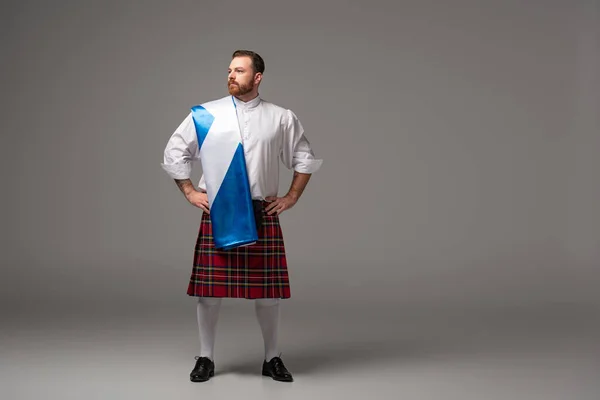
[{"x": 251, "y": 272}]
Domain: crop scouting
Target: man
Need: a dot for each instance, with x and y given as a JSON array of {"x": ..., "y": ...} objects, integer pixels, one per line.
[{"x": 258, "y": 271}]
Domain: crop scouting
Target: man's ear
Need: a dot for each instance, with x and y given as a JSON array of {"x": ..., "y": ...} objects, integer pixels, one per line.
[{"x": 257, "y": 78}]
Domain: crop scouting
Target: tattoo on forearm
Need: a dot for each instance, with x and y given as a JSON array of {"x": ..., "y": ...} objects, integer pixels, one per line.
[{"x": 185, "y": 185}]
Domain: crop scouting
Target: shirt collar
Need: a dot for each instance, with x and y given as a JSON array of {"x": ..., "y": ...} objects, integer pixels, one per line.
[{"x": 247, "y": 104}]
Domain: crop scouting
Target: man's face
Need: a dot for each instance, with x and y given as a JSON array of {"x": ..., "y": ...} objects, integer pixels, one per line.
[{"x": 240, "y": 80}]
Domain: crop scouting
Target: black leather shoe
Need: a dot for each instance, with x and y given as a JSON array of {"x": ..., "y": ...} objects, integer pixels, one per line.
[
  {"x": 203, "y": 370},
  {"x": 276, "y": 370}
]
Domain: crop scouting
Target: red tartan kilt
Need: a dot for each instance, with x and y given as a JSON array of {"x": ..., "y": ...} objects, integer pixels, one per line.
[{"x": 251, "y": 272}]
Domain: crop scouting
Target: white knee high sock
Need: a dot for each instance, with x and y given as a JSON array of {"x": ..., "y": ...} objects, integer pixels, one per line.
[
  {"x": 267, "y": 313},
  {"x": 208, "y": 315}
]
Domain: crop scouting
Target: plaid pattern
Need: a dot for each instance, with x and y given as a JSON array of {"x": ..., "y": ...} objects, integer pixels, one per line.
[{"x": 251, "y": 272}]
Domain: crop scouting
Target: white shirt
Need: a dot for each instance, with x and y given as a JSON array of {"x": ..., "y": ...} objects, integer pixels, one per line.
[{"x": 269, "y": 133}]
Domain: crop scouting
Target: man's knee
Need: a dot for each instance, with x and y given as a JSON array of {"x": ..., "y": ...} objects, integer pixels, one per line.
[
  {"x": 266, "y": 302},
  {"x": 209, "y": 301}
]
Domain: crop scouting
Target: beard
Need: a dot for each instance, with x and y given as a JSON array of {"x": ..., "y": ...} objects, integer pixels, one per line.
[{"x": 235, "y": 89}]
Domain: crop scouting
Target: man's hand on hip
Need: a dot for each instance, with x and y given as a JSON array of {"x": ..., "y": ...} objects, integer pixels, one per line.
[
  {"x": 279, "y": 204},
  {"x": 195, "y": 197},
  {"x": 198, "y": 199}
]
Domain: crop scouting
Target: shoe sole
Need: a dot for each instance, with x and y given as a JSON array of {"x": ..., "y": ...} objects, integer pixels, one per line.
[
  {"x": 210, "y": 375},
  {"x": 277, "y": 379}
]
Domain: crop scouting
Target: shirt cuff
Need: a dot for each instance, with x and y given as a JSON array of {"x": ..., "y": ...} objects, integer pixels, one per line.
[
  {"x": 178, "y": 171},
  {"x": 307, "y": 165}
]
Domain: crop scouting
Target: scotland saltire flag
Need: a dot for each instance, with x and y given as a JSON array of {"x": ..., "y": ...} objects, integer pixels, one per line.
[{"x": 224, "y": 168}]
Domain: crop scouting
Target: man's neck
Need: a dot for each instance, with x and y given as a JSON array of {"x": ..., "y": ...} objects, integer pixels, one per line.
[{"x": 247, "y": 97}]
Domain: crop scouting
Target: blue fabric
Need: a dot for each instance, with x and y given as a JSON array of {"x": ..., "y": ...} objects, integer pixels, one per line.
[
  {"x": 231, "y": 212},
  {"x": 203, "y": 120}
]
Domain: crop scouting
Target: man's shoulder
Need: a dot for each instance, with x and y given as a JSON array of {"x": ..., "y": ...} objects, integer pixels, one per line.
[{"x": 276, "y": 108}]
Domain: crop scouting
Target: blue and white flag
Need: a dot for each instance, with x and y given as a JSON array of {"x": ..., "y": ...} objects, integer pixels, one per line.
[{"x": 224, "y": 168}]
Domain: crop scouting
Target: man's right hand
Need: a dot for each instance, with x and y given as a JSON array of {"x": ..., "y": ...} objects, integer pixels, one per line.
[
  {"x": 195, "y": 197},
  {"x": 198, "y": 199}
]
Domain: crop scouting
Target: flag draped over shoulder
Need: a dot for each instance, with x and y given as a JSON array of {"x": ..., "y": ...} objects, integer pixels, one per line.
[{"x": 224, "y": 169}]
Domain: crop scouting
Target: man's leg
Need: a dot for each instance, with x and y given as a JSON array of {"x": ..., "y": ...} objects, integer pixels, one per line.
[
  {"x": 267, "y": 313},
  {"x": 208, "y": 315}
]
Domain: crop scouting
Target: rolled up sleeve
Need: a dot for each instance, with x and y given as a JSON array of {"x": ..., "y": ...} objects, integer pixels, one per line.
[
  {"x": 296, "y": 151},
  {"x": 181, "y": 150}
]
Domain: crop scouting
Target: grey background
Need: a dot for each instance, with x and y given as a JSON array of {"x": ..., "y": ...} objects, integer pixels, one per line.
[{"x": 455, "y": 212}]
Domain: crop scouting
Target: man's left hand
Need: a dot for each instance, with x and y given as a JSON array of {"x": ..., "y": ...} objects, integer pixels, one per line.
[{"x": 279, "y": 204}]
